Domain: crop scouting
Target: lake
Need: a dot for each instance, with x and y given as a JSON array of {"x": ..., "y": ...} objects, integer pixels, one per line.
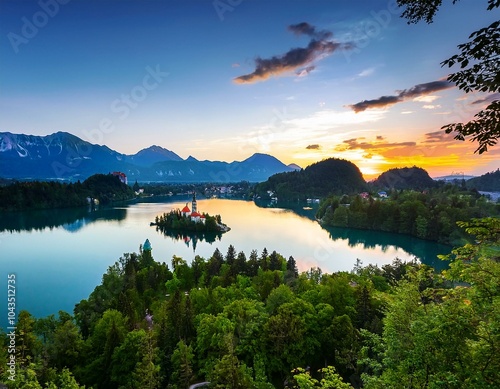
[{"x": 59, "y": 256}]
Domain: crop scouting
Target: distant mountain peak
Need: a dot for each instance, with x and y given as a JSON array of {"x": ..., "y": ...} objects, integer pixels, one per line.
[
  {"x": 294, "y": 166},
  {"x": 152, "y": 148},
  {"x": 262, "y": 157},
  {"x": 156, "y": 149},
  {"x": 453, "y": 177},
  {"x": 152, "y": 155}
]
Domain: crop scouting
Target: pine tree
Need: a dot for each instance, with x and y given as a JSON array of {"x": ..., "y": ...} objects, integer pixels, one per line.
[
  {"x": 231, "y": 255},
  {"x": 182, "y": 362},
  {"x": 263, "y": 260},
  {"x": 291, "y": 266},
  {"x": 274, "y": 261},
  {"x": 147, "y": 372}
]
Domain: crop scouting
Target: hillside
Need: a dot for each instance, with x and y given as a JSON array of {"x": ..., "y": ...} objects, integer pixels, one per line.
[
  {"x": 430, "y": 214},
  {"x": 489, "y": 182},
  {"x": 317, "y": 180},
  {"x": 45, "y": 195},
  {"x": 404, "y": 178}
]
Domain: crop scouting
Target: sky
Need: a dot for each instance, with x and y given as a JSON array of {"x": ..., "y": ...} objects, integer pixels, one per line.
[{"x": 302, "y": 80}]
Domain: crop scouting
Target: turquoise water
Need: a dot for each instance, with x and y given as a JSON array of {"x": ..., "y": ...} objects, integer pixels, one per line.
[{"x": 59, "y": 256}]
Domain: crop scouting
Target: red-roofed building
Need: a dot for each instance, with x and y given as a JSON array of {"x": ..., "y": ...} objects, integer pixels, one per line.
[
  {"x": 194, "y": 215},
  {"x": 197, "y": 217},
  {"x": 121, "y": 176},
  {"x": 186, "y": 211}
]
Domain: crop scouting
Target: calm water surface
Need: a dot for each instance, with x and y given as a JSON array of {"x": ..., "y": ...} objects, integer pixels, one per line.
[{"x": 59, "y": 256}]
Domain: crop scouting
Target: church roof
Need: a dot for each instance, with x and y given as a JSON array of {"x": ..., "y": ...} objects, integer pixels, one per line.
[
  {"x": 186, "y": 209},
  {"x": 195, "y": 214},
  {"x": 147, "y": 245}
]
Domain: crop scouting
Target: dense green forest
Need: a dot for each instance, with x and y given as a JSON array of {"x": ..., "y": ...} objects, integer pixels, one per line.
[
  {"x": 431, "y": 214},
  {"x": 20, "y": 196},
  {"x": 320, "y": 179},
  {"x": 255, "y": 322},
  {"x": 489, "y": 182},
  {"x": 404, "y": 178}
]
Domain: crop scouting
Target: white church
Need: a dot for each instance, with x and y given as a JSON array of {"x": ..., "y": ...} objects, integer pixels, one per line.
[{"x": 194, "y": 215}]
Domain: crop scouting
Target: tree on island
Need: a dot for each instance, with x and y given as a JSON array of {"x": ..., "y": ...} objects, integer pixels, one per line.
[{"x": 176, "y": 220}]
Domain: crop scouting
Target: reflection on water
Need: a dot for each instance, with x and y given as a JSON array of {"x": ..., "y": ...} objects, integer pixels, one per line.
[
  {"x": 74, "y": 220},
  {"x": 191, "y": 239},
  {"x": 425, "y": 251},
  {"x": 302, "y": 209},
  {"x": 71, "y": 219}
]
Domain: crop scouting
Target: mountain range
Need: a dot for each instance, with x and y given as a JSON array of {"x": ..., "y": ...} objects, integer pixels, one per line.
[{"x": 65, "y": 156}]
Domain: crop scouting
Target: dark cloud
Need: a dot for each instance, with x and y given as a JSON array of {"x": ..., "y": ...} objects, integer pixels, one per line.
[
  {"x": 295, "y": 59},
  {"x": 487, "y": 99},
  {"x": 383, "y": 101},
  {"x": 306, "y": 29},
  {"x": 438, "y": 137},
  {"x": 313, "y": 147},
  {"x": 305, "y": 71},
  {"x": 415, "y": 91},
  {"x": 352, "y": 144},
  {"x": 425, "y": 89},
  {"x": 380, "y": 137}
]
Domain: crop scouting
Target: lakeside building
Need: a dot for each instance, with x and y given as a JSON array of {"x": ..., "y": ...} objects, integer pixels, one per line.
[
  {"x": 121, "y": 176},
  {"x": 194, "y": 214}
]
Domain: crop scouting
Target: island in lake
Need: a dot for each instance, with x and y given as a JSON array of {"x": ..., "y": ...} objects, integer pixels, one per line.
[{"x": 189, "y": 220}]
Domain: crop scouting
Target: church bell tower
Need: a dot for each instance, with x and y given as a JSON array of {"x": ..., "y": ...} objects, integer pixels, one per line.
[{"x": 194, "y": 207}]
